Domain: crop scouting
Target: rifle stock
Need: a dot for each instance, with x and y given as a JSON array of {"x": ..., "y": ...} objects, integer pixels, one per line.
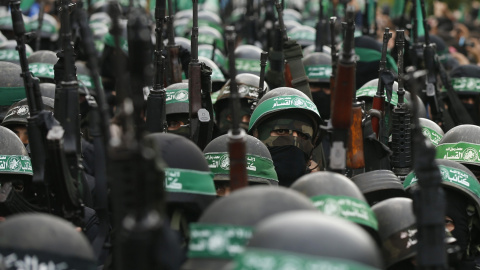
[{"x": 355, "y": 154}]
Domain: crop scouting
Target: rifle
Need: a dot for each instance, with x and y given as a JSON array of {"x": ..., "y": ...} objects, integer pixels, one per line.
[
  {"x": 365, "y": 21},
  {"x": 379, "y": 99},
  {"x": 174, "y": 66},
  {"x": 156, "y": 101},
  {"x": 40, "y": 24},
  {"x": 200, "y": 118},
  {"x": 343, "y": 96},
  {"x": 250, "y": 25},
  {"x": 401, "y": 160},
  {"x": 334, "y": 55},
  {"x": 275, "y": 75},
  {"x": 139, "y": 178},
  {"x": 416, "y": 48},
  {"x": 431, "y": 82},
  {"x": 429, "y": 201},
  {"x": 236, "y": 135},
  {"x": 320, "y": 27},
  {"x": 261, "y": 86},
  {"x": 46, "y": 140}
]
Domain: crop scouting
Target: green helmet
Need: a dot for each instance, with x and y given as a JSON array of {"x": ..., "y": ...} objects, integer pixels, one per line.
[
  {"x": 431, "y": 130},
  {"x": 247, "y": 59},
  {"x": 260, "y": 167},
  {"x": 461, "y": 144},
  {"x": 397, "y": 229},
  {"x": 318, "y": 67},
  {"x": 379, "y": 185},
  {"x": 226, "y": 226},
  {"x": 336, "y": 195},
  {"x": 291, "y": 103},
  {"x": 19, "y": 112},
  {"x": 309, "y": 240},
  {"x": 11, "y": 86},
  {"x": 41, "y": 241}
]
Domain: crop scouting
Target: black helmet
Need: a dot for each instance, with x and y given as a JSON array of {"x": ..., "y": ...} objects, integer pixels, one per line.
[
  {"x": 461, "y": 144},
  {"x": 309, "y": 240},
  {"x": 226, "y": 226},
  {"x": 11, "y": 86},
  {"x": 41, "y": 241},
  {"x": 260, "y": 167},
  {"x": 304, "y": 35},
  {"x": 336, "y": 195},
  {"x": 285, "y": 99},
  {"x": 177, "y": 108},
  {"x": 431, "y": 130},
  {"x": 379, "y": 185},
  {"x": 41, "y": 65},
  {"x": 318, "y": 67},
  {"x": 397, "y": 229},
  {"x": 188, "y": 179},
  {"x": 19, "y": 112},
  {"x": 247, "y": 59}
]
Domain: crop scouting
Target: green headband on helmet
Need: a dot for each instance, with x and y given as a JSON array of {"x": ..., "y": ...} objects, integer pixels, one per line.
[
  {"x": 15, "y": 164},
  {"x": 462, "y": 152},
  {"x": 189, "y": 181},
  {"x": 369, "y": 55}
]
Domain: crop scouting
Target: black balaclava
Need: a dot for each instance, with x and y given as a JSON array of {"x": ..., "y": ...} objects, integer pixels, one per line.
[
  {"x": 290, "y": 163},
  {"x": 457, "y": 210},
  {"x": 322, "y": 101}
]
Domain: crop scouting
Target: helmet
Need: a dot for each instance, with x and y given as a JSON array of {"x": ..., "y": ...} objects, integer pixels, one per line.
[
  {"x": 11, "y": 86},
  {"x": 43, "y": 241},
  {"x": 14, "y": 159},
  {"x": 48, "y": 33},
  {"x": 6, "y": 25},
  {"x": 209, "y": 35},
  {"x": 465, "y": 79},
  {"x": 47, "y": 90},
  {"x": 379, "y": 185},
  {"x": 247, "y": 59},
  {"x": 188, "y": 180},
  {"x": 211, "y": 19},
  {"x": 310, "y": 49},
  {"x": 260, "y": 167},
  {"x": 431, "y": 130},
  {"x": 8, "y": 53},
  {"x": 205, "y": 50},
  {"x": 217, "y": 76},
  {"x": 304, "y": 35},
  {"x": 101, "y": 18},
  {"x": 19, "y": 112},
  {"x": 177, "y": 107},
  {"x": 336, "y": 195},
  {"x": 292, "y": 24},
  {"x": 292, "y": 15},
  {"x": 318, "y": 67},
  {"x": 304, "y": 238},
  {"x": 461, "y": 144},
  {"x": 182, "y": 42},
  {"x": 285, "y": 99},
  {"x": 397, "y": 229},
  {"x": 41, "y": 64},
  {"x": 230, "y": 220}
]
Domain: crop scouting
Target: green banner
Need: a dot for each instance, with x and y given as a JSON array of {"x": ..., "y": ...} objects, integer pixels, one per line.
[
  {"x": 217, "y": 241},
  {"x": 281, "y": 103},
  {"x": 370, "y": 91},
  {"x": 451, "y": 175},
  {"x": 10, "y": 95},
  {"x": 346, "y": 207},
  {"x": 42, "y": 70},
  {"x": 177, "y": 95},
  {"x": 189, "y": 181},
  {"x": 318, "y": 71},
  {"x": 461, "y": 152},
  {"x": 432, "y": 135},
  {"x": 15, "y": 164},
  {"x": 264, "y": 259},
  {"x": 257, "y": 166}
]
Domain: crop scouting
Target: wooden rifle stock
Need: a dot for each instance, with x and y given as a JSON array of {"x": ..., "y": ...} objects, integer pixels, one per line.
[
  {"x": 236, "y": 135},
  {"x": 355, "y": 154}
]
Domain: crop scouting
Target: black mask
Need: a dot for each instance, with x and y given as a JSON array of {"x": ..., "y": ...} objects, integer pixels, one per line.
[
  {"x": 472, "y": 110},
  {"x": 322, "y": 101},
  {"x": 457, "y": 211},
  {"x": 290, "y": 163},
  {"x": 84, "y": 109}
]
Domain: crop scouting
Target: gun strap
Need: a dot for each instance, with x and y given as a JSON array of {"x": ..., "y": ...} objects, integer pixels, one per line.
[{"x": 293, "y": 54}]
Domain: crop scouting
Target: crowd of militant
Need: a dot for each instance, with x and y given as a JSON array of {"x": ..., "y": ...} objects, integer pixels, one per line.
[{"x": 239, "y": 134}]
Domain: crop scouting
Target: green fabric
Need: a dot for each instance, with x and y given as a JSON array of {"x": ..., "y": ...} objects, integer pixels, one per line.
[
  {"x": 420, "y": 28},
  {"x": 46, "y": 27},
  {"x": 281, "y": 103},
  {"x": 10, "y": 55},
  {"x": 217, "y": 240},
  {"x": 26, "y": 4},
  {"x": 42, "y": 70},
  {"x": 86, "y": 80},
  {"x": 346, "y": 207},
  {"x": 370, "y": 91},
  {"x": 248, "y": 65},
  {"x": 396, "y": 10},
  {"x": 214, "y": 96},
  {"x": 177, "y": 96},
  {"x": 302, "y": 35},
  {"x": 219, "y": 58},
  {"x": 189, "y": 181},
  {"x": 265, "y": 259},
  {"x": 110, "y": 41},
  {"x": 257, "y": 166},
  {"x": 462, "y": 152},
  {"x": 15, "y": 164},
  {"x": 432, "y": 135},
  {"x": 466, "y": 84},
  {"x": 318, "y": 71},
  {"x": 10, "y": 95},
  {"x": 369, "y": 55},
  {"x": 451, "y": 175},
  {"x": 371, "y": 12},
  {"x": 209, "y": 39}
]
